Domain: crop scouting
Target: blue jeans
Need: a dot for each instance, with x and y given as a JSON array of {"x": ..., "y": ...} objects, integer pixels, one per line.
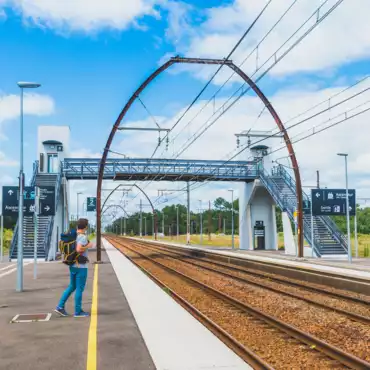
[{"x": 78, "y": 277}]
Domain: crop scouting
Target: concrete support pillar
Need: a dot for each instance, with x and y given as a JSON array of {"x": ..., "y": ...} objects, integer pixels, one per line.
[{"x": 275, "y": 240}]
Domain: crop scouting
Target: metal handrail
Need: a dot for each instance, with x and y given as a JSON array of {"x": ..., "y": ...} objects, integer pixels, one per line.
[
  {"x": 47, "y": 240},
  {"x": 286, "y": 204},
  {"x": 14, "y": 241}
]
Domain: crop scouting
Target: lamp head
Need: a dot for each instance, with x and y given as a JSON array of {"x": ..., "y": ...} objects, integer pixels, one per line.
[{"x": 28, "y": 85}]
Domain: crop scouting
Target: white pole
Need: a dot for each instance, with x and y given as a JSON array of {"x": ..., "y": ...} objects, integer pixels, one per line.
[
  {"x": 347, "y": 206},
  {"x": 188, "y": 214},
  {"x": 141, "y": 218},
  {"x": 177, "y": 222},
  {"x": 20, "y": 211},
  {"x": 312, "y": 233},
  {"x": 356, "y": 240},
  {"x": 232, "y": 219},
  {"x": 2, "y": 239},
  {"x": 35, "y": 233},
  {"x": 201, "y": 222}
]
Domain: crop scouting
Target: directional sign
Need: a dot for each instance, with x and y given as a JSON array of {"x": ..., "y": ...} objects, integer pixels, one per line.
[
  {"x": 11, "y": 199},
  {"x": 332, "y": 202},
  {"x": 47, "y": 201},
  {"x": 91, "y": 204}
]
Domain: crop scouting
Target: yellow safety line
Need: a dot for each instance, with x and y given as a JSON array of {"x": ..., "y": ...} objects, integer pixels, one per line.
[{"x": 92, "y": 343}]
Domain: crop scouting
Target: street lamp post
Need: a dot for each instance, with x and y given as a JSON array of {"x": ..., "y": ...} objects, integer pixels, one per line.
[
  {"x": 232, "y": 218},
  {"x": 78, "y": 194},
  {"x": 19, "y": 287},
  {"x": 345, "y": 155},
  {"x": 177, "y": 222},
  {"x": 201, "y": 221}
]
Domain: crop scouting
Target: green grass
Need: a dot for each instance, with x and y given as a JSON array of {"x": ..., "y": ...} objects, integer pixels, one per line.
[{"x": 216, "y": 240}]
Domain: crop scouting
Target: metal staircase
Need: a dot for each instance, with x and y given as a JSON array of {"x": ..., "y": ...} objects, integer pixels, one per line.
[
  {"x": 45, "y": 224},
  {"x": 328, "y": 240}
]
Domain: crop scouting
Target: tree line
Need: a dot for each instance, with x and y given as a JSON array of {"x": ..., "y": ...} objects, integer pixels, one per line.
[{"x": 214, "y": 217}]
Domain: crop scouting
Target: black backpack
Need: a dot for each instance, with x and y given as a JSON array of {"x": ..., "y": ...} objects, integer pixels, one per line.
[{"x": 67, "y": 246}]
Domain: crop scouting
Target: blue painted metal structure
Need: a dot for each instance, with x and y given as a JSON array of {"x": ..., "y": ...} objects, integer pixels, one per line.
[{"x": 160, "y": 169}]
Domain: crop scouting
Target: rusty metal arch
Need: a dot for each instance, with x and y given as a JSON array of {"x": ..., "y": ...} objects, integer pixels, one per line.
[
  {"x": 259, "y": 93},
  {"x": 116, "y": 206},
  {"x": 146, "y": 196}
]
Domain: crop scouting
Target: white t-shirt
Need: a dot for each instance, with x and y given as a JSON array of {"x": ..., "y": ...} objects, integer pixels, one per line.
[{"x": 82, "y": 239}]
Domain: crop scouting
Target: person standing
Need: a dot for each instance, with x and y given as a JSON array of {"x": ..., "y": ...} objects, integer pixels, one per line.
[{"x": 78, "y": 273}]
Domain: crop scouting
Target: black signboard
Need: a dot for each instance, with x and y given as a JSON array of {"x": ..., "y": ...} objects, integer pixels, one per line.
[
  {"x": 332, "y": 202},
  {"x": 91, "y": 204},
  {"x": 47, "y": 201},
  {"x": 11, "y": 199}
]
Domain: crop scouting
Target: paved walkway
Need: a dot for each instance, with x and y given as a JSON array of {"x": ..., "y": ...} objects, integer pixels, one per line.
[{"x": 62, "y": 343}]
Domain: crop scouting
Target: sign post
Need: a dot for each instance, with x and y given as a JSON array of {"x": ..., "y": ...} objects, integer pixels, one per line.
[
  {"x": 356, "y": 240},
  {"x": 35, "y": 233},
  {"x": 295, "y": 231}
]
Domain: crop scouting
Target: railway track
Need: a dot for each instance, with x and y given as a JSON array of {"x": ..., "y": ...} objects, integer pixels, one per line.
[
  {"x": 262, "y": 340},
  {"x": 329, "y": 302}
]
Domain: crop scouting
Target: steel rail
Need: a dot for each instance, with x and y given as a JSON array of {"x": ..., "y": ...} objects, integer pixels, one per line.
[
  {"x": 351, "y": 315},
  {"x": 245, "y": 353},
  {"x": 276, "y": 278},
  {"x": 315, "y": 343}
]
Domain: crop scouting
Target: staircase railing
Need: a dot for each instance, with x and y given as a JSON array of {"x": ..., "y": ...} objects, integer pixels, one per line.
[
  {"x": 336, "y": 232},
  {"x": 330, "y": 224},
  {"x": 15, "y": 232},
  {"x": 49, "y": 232},
  {"x": 286, "y": 204}
]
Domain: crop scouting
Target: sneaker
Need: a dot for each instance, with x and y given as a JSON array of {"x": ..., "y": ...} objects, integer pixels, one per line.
[
  {"x": 61, "y": 311},
  {"x": 82, "y": 314}
]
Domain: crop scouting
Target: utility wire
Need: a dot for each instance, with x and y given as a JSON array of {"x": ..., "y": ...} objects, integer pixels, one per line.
[
  {"x": 318, "y": 21},
  {"x": 218, "y": 70},
  {"x": 276, "y": 61},
  {"x": 315, "y": 132},
  {"x": 240, "y": 65}
]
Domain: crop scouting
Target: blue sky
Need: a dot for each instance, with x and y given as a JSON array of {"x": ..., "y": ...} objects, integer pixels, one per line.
[{"x": 92, "y": 56}]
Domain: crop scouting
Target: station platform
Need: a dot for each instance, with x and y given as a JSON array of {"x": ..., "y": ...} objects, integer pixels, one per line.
[
  {"x": 359, "y": 268},
  {"x": 134, "y": 324}
]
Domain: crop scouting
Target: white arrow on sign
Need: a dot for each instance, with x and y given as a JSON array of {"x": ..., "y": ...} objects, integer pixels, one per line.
[
  {"x": 350, "y": 208},
  {"x": 317, "y": 195},
  {"x": 10, "y": 192},
  {"x": 47, "y": 208}
]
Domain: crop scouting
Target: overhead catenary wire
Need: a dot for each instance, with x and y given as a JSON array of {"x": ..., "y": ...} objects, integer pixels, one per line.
[
  {"x": 213, "y": 76},
  {"x": 222, "y": 108},
  {"x": 241, "y": 64},
  {"x": 277, "y": 59},
  {"x": 218, "y": 70},
  {"x": 318, "y": 20},
  {"x": 315, "y": 132}
]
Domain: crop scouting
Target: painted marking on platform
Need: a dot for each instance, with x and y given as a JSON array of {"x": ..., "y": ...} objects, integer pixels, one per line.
[
  {"x": 12, "y": 270},
  {"x": 92, "y": 342},
  {"x": 8, "y": 267}
]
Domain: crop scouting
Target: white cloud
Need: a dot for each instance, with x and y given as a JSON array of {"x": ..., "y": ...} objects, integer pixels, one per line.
[
  {"x": 85, "y": 15},
  {"x": 338, "y": 40},
  {"x": 34, "y": 104},
  {"x": 6, "y": 162}
]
